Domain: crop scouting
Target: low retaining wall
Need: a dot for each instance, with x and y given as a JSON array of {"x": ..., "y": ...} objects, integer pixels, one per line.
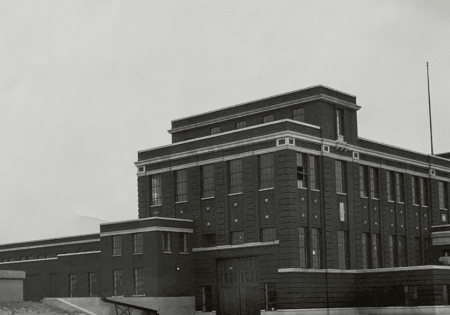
[
  {"x": 11, "y": 285},
  {"x": 400, "y": 310}
]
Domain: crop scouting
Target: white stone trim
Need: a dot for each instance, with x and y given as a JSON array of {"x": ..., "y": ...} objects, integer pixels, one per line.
[
  {"x": 353, "y": 271},
  {"x": 146, "y": 219},
  {"x": 80, "y": 253},
  {"x": 49, "y": 245},
  {"x": 147, "y": 229},
  {"x": 28, "y": 260},
  {"x": 245, "y": 245}
]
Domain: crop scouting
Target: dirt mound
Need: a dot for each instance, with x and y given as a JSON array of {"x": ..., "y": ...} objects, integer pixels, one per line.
[{"x": 30, "y": 308}]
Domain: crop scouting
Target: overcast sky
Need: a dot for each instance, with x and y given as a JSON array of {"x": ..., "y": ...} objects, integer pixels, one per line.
[{"x": 84, "y": 85}]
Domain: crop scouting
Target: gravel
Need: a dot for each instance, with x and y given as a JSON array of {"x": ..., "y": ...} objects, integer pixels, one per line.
[{"x": 30, "y": 308}]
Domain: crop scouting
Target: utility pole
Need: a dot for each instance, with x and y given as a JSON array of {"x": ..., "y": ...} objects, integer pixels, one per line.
[{"x": 429, "y": 109}]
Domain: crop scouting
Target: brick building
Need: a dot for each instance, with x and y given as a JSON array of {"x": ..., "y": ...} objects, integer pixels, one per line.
[{"x": 273, "y": 204}]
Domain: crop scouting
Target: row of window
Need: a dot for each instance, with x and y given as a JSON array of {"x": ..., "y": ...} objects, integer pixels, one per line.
[
  {"x": 138, "y": 281},
  {"x": 92, "y": 284},
  {"x": 138, "y": 243},
  {"x": 237, "y": 237},
  {"x": 297, "y": 114}
]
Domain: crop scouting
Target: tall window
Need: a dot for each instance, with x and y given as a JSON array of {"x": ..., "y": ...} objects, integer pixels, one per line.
[
  {"x": 390, "y": 185},
  {"x": 299, "y": 114},
  {"x": 424, "y": 191},
  {"x": 399, "y": 187},
  {"x": 363, "y": 181},
  {"x": 206, "y": 299},
  {"x": 215, "y": 130},
  {"x": 117, "y": 245},
  {"x": 417, "y": 251},
  {"x": 266, "y": 171},
  {"x": 235, "y": 179},
  {"x": 401, "y": 251},
  {"x": 92, "y": 278},
  {"x": 183, "y": 243},
  {"x": 237, "y": 237},
  {"x": 166, "y": 242},
  {"x": 139, "y": 288},
  {"x": 302, "y": 173},
  {"x": 207, "y": 180},
  {"x": 315, "y": 248},
  {"x": 374, "y": 190},
  {"x": 270, "y": 296},
  {"x": 415, "y": 190},
  {"x": 241, "y": 124},
  {"x": 376, "y": 251},
  {"x": 343, "y": 250},
  {"x": 443, "y": 195},
  {"x": 393, "y": 251},
  {"x": 314, "y": 178},
  {"x": 72, "y": 284},
  {"x": 138, "y": 243},
  {"x": 341, "y": 176},
  {"x": 445, "y": 294},
  {"x": 156, "y": 189},
  {"x": 340, "y": 122},
  {"x": 303, "y": 249},
  {"x": 181, "y": 185},
  {"x": 117, "y": 282},
  {"x": 365, "y": 241},
  {"x": 267, "y": 118}
]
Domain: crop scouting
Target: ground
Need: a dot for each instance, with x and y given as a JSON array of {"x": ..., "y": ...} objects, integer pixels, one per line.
[{"x": 30, "y": 308}]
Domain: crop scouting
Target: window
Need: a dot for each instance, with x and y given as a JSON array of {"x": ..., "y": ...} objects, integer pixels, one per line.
[
  {"x": 156, "y": 189},
  {"x": 343, "y": 250},
  {"x": 303, "y": 249},
  {"x": 399, "y": 187},
  {"x": 401, "y": 251},
  {"x": 207, "y": 173},
  {"x": 445, "y": 294},
  {"x": 314, "y": 172},
  {"x": 424, "y": 191},
  {"x": 206, "y": 299},
  {"x": 342, "y": 211},
  {"x": 393, "y": 259},
  {"x": 241, "y": 124},
  {"x": 72, "y": 284},
  {"x": 209, "y": 240},
  {"x": 417, "y": 251},
  {"x": 117, "y": 245},
  {"x": 302, "y": 173},
  {"x": 117, "y": 282},
  {"x": 365, "y": 243},
  {"x": 390, "y": 186},
  {"x": 166, "y": 242},
  {"x": 267, "y": 118},
  {"x": 340, "y": 122},
  {"x": 363, "y": 182},
  {"x": 341, "y": 178},
  {"x": 138, "y": 243},
  {"x": 183, "y": 243},
  {"x": 270, "y": 296},
  {"x": 443, "y": 195},
  {"x": 299, "y": 114},
  {"x": 374, "y": 182},
  {"x": 92, "y": 278},
  {"x": 268, "y": 234},
  {"x": 181, "y": 185},
  {"x": 237, "y": 237},
  {"x": 235, "y": 173},
  {"x": 215, "y": 130},
  {"x": 266, "y": 171},
  {"x": 426, "y": 246},
  {"x": 315, "y": 248},
  {"x": 376, "y": 251},
  {"x": 415, "y": 190},
  {"x": 139, "y": 281}
]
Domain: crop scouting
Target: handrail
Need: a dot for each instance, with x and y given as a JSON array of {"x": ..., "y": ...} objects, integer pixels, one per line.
[{"x": 137, "y": 307}]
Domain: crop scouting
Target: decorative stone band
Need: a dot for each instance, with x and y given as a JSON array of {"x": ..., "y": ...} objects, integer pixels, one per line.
[
  {"x": 378, "y": 270},
  {"x": 223, "y": 247}
]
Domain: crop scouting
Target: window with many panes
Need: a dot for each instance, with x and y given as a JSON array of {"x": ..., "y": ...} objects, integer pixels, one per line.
[
  {"x": 207, "y": 176},
  {"x": 399, "y": 187},
  {"x": 241, "y": 124},
  {"x": 93, "y": 289},
  {"x": 303, "y": 247},
  {"x": 376, "y": 251},
  {"x": 340, "y": 122},
  {"x": 314, "y": 178},
  {"x": 267, "y": 118},
  {"x": 343, "y": 250},
  {"x": 341, "y": 176},
  {"x": 270, "y": 296},
  {"x": 265, "y": 163},
  {"x": 268, "y": 234},
  {"x": 401, "y": 251},
  {"x": 139, "y": 288},
  {"x": 299, "y": 114},
  {"x": 374, "y": 182},
  {"x": 393, "y": 253},
  {"x": 423, "y": 191},
  {"x": 315, "y": 248},
  {"x": 415, "y": 190},
  {"x": 117, "y": 245},
  {"x": 363, "y": 181},
  {"x": 237, "y": 237},
  {"x": 443, "y": 195},
  {"x": 235, "y": 176},
  {"x": 365, "y": 243},
  {"x": 181, "y": 185},
  {"x": 117, "y": 282},
  {"x": 417, "y": 251},
  {"x": 166, "y": 242},
  {"x": 302, "y": 172},
  {"x": 183, "y": 243},
  {"x": 156, "y": 190},
  {"x": 138, "y": 243},
  {"x": 72, "y": 284},
  {"x": 390, "y": 185}
]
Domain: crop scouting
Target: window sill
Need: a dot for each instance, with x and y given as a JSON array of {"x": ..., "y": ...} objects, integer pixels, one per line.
[
  {"x": 138, "y": 295},
  {"x": 364, "y": 197},
  {"x": 443, "y": 209},
  {"x": 206, "y": 198},
  {"x": 234, "y": 194},
  {"x": 424, "y": 206},
  {"x": 304, "y": 188},
  {"x": 315, "y": 189},
  {"x": 416, "y": 205},
  {"x": 263, "y": 189},
  {"x": 183, "y": 253},
  {"x": 167, "y": 252},
  {"x": 138, "y": 253},
  {"x": 340, "y": 193},
  {"x": 153, "y": 206},
  {"x": 391, "y": 201},
  {"x": 116, "y": 255},
  {"x": 401, "y": 202},
  {"x": 184, "y": 201},
  {"x": 375, "y": 198}
]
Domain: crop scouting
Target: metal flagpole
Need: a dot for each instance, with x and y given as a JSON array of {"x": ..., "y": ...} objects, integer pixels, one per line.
[{"x": 429, "y": 109}]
